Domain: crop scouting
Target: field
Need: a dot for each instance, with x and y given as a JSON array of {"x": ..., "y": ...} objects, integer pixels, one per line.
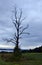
[{"x": 29, "y": 59}]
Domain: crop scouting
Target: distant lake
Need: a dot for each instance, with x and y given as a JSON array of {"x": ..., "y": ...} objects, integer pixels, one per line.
[{"x": 6, "y": 50}]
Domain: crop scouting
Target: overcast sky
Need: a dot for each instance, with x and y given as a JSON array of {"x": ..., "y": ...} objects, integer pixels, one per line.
[{"x": 32, "y": 10}]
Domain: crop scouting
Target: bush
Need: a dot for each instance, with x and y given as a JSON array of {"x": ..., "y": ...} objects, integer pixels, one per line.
[{"x": 17, "y": 53}]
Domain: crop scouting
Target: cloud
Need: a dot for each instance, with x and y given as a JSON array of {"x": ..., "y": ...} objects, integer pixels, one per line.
[
  {"x": 33, "y": 10},
  {"x": 6, "y": 46}
]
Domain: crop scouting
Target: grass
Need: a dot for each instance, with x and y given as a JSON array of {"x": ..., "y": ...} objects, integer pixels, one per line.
[{"x": 28, "y": 59}]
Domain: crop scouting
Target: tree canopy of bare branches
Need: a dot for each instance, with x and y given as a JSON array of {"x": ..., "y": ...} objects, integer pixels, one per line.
[{"x": 20, "y": 29}]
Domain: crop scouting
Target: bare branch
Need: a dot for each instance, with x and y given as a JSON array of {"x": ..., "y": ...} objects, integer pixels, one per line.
[
  {"x": 15, "y": 25},
  {"x": 15, "y": 36},
  {"x": 10, "y": 40},
  {"x": 20, "y": 16},
  {"x": 23, "y": 19},
  {"x": 20, "y": 27},
  {"x": 21, "y": 32},
  {"x": 20, "y": 22},
  {"x": 15, "y": 12}
]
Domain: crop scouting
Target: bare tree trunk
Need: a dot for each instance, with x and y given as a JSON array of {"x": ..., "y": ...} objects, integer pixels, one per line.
[{"x": 17, "y": 41}]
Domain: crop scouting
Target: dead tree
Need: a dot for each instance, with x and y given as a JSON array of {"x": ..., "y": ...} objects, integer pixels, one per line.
[{"x": 20, "y": 29}]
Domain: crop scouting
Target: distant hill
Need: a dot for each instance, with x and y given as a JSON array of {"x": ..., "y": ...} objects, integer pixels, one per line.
[{"x": 38, "y": 49}]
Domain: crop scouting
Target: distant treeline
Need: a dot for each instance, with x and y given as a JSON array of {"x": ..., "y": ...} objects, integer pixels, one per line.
[{"x": 39, "y": 50}]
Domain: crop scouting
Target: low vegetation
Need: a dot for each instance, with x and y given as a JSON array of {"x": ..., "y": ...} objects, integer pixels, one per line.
[{"x": 27, "y": 59}]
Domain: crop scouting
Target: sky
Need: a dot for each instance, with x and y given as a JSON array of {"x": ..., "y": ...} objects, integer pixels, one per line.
[{"x": 32, "y": 10}]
